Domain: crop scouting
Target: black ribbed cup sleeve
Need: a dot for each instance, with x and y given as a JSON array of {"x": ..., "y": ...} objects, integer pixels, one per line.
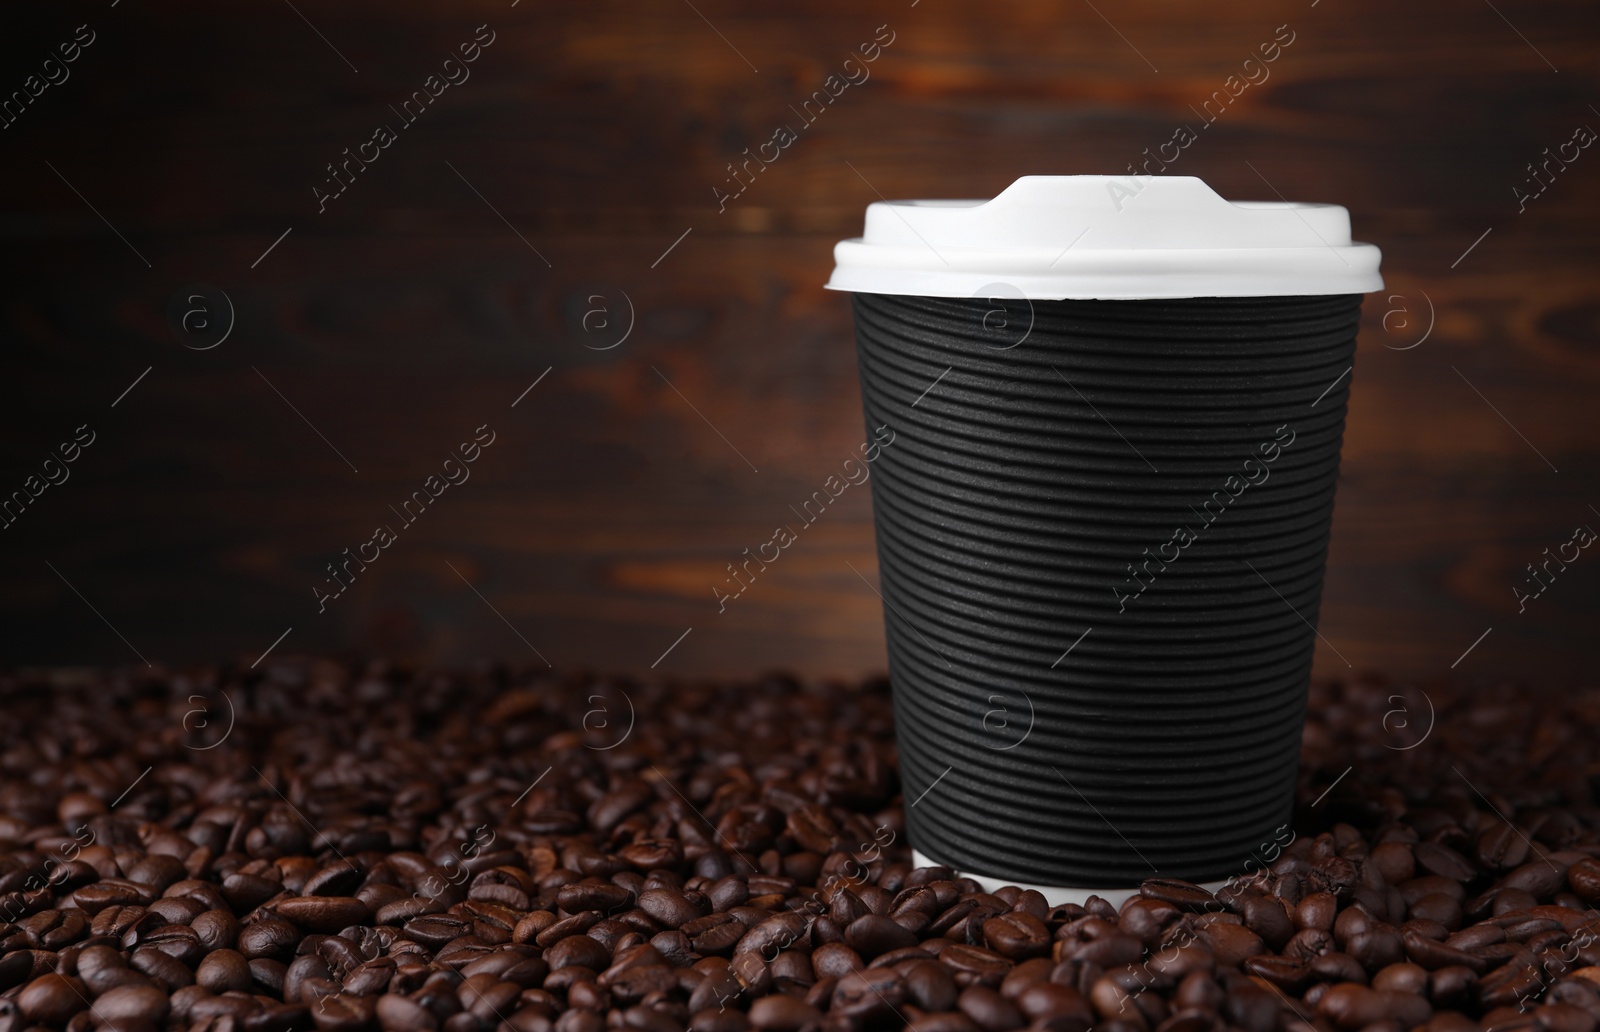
[{"x": 1101, "y": 531}]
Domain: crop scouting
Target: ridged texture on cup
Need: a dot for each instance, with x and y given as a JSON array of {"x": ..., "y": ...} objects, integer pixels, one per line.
[{"x": 1038, "y": 451}]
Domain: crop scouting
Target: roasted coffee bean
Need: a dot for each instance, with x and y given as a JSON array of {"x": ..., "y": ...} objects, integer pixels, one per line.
[
  {"x": 1427, "y": 929},
  {"x": 609, "y": 810},
  {"x": 719, "y": 989},
  {"x": 435, "y": 930},
  {"x": 112, "y": 892},
  {"x": 132, "y": 1006},
  {"x": 670, "y": 907},
  {"x": 341, "y": 954},
  {"x": 1338, "y": 967},
  {"x": 116, "y": 922},
  {"x": 930, "y": 986},
  {"x": 1584, "y": 877},
  {"x": 1199, "y": 990},
  {"x": 402, "y": 910},
  {"x": 1561, "y": 1017},
  {"x": 579, "y": 951},
  {"x": 1353, "y": 921},
  {"x": 1394, "y": 861},
  {"x": 753, "y": 972},
  {"x": 172, "y": 909},
  {"x": 1507, "y": 899},
  {"x": 1443, "y": 861},
  {"x": 650, "y": 854},
  {"x": 1176, "y": 962},
  {"x": 223, "y": 970},
  {"x": 1181, "y": 894},
  {"x": 901, "y": 957},
  {"x": 793, "y": 968},
  {"x": 1252, "y": 1008},
  {"x": 205, "y": 893},
  {"x": 700, "y": 1021},
  {"x": 1030, "y": 972},
  {"x": 951, "y": 922},
  {"x": 269, "y": 937},
  {"x": 177, "y": 941},
  {"x": 714, "y": 933},
  {"x": 812, "y": 827},
  {"x": 1530, "y": 929},
  {"x": 16, "y": 967},
  {"x": 1438, "y": 907},
  {"x": 52, "y": 999},
  {"x": 1434, "y": 955},
  {"x": 337, "y": 1013},
  {"x": 835, "y": 960},
  {"x": 1451, "y": 986},
  {"x": 1355, "y": 1006},
  {"x": 1288, "y": 975},
  {"x": 552, "y": 932},
  {"x": 338, "y": 879},
  {"x": 873, "y": 935},
  {"x": 267, "y": 976},
  {"x": 773, "y": 934},
  {"x": 974, "y": 966},
  {"x": 862, "y": 994},
  {"x": 591, "y": 895},
  {"x": 1401, "y": 977},
  {"x": 1056, "y": 1003},
  {"x": 1146, "y": 919},
  {"x": 1334, "y": 874},
  {"x": 484, "y": 996},
  {"x": 1269, "y": 918},
  {"x": 1308, "y": 944},
  {"x": 945, "y": 1021},
  {"x": 325, "y": 914},
  {"x": 783, "y": 1014},
  {"x": 1018, "y": 936},
  {"x": 172, "y": 973},
  {"x": 1540, "y": 879},
  {"x": 398, "y": 1013},
  {"x": 1316, "y": 911},
  {"x": 991, "y": 1011},
  {"x": 915, "y": 899},
  {"x": 245, "y": 891},
  {"x": 1508, "y": 984},
  {"x": 217, "y": 929},
  {"x": 1231, "y": 943},
  {"x": 1377, "y": 947},
  {"x": 157, "y": 870},
  {"x": 1502, "y": 847}
]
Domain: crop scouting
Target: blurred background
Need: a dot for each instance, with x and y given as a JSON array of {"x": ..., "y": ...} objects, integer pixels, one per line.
[{"x": 424, "y": 226}]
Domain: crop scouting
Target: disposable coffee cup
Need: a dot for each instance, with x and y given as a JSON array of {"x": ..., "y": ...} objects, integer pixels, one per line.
[{"x": 1114, "y": 408}]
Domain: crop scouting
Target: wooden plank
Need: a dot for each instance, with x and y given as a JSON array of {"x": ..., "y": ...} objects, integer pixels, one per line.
[{"x": 410, "y": 312}]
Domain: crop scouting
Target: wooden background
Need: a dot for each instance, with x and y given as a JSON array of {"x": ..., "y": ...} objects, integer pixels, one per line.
[{"x": 411, "y": 313}]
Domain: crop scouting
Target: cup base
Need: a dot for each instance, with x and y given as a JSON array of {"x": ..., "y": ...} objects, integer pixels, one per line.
[{"x": 1055, "y": 895}]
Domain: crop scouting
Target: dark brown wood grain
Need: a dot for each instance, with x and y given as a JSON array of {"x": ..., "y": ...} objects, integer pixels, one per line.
[{"x": 409, "y": 313}]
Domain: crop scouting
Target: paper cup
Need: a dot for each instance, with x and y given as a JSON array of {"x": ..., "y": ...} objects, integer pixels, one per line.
[{"x": 1102, "y": 526}]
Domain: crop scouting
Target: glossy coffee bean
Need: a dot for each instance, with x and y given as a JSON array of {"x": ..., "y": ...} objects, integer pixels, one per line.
[
  {"x": 991, "y": 1011},
  {"x": 224, "y": 970},
  {"x": 52, "y": 999},
  {"x": 783, "y": 1014},
  {"x": 1017, "y": 936},
  {"x": 874, "y": 934}
]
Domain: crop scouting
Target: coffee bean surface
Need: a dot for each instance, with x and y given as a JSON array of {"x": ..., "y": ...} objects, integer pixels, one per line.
[{"x": 314, "y": 845}]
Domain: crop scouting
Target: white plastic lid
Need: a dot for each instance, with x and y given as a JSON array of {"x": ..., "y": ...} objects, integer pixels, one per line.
[{"x": 1057, "y": 237}]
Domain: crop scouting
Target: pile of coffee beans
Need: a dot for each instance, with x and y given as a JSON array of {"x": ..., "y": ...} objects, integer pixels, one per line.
[{"x": 339, "y": 846}]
